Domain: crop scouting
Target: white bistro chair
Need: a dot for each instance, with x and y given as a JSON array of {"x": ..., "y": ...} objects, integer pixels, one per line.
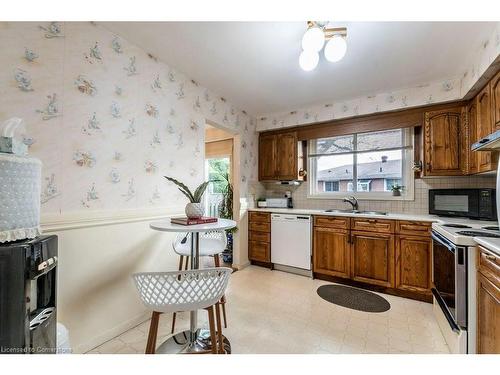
[
  {"x": 211, "y": 245},
  {"x": 170, "y": 292}
]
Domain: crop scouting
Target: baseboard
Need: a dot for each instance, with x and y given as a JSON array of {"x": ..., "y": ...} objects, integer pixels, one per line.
[
  {"x": 111, "y": 333},
  {"x": 239, "y": 267},
  {"x": 294, "y": 270}
]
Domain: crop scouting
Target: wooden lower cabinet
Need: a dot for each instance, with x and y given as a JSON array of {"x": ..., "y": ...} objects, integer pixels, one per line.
[
  {"x": 259, "y": 237},
  {"x": 394, "y": 256},
  {"x": 331, "y": 251},
  {"x": 259, "y": 251},
  {"x": 488, "y": 316},
  {"x": 413, "y": 263},
  {"x": 488, "y": 302},
  {"x": 372, "y": 258}
]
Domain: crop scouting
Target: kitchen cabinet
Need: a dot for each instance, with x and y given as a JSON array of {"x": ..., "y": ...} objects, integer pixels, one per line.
[
  {"x": 495, "y": 100},
  {"x": 488, "y": 302},
  {"x": 484, "y": 125},
  {"x": 287, "y": 156},
  {"x": 259, "y": 237},
  {"x": 413, "y": 263},
  {"x": 259, "y": 251},
  {"x": 473, "y": 159},
  {"x": 372, "y": 258},
  {"x": 373, "y": 225},
  {"x": 383, "y": 254},
  {"x": 267, "y": 157},
  {"x": 445, "y": 142},
  {"x": 278, "y": 156},
  {"x": 331, "y": 252}
]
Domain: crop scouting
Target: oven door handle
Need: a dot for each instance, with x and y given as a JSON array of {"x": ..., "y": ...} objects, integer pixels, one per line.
[
  {"x": 443, "y": 241},
  {"x": 446, "y": 312}
]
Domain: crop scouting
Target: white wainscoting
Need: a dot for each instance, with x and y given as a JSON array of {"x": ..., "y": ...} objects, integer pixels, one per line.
[
  {"x": 97, "y": 299},
  {"x": 96, "y": 296}
]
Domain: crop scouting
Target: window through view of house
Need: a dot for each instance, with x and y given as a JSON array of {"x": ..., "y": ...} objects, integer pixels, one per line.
[{"x": 372, "y": 162}]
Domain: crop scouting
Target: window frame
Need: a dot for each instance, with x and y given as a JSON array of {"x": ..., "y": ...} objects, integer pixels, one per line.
[{"x": 408, "y": 179}]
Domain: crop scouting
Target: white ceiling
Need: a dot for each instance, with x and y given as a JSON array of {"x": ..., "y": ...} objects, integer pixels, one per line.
[{"x": 255, "y": 64}]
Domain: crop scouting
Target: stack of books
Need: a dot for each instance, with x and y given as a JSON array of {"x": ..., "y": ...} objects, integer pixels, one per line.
[{"x": 191, "y": 221}]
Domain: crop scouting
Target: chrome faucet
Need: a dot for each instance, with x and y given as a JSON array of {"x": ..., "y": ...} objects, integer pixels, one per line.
[{"x": 353, "y": 201}]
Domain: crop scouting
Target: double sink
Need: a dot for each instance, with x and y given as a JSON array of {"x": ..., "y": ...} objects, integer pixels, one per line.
[{"x": 358, "y": 212}]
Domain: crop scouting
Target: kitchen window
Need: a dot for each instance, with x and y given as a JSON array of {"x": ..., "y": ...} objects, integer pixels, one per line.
[{"x": 366, "y": 165}]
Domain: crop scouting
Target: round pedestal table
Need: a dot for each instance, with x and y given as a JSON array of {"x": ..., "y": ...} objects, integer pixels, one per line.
[{"x": 194, "y": 340}]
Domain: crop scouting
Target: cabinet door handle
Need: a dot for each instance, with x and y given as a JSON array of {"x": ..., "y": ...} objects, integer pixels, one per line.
[{"x": 490, "y": 257}]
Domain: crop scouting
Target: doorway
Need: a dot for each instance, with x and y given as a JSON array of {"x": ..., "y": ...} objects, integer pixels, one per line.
[{"x": 219, "y": 169}]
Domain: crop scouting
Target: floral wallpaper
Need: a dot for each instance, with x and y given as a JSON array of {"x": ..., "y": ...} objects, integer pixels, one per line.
[
  {"x": 424, "y": 94},
  {"x": 107, "y": 119},
  {"x": 485, "y": 54},
  {"x": 434, "y": 92}
]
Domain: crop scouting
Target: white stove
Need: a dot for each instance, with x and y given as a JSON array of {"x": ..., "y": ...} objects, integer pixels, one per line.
[
  {"x": 462, "y": 232},
  {"x": 454, "y": 278}
]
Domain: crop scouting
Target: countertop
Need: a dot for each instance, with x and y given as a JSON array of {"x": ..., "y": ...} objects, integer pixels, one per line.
[
  {"x": 390, "y": 216},
  {"x": 492, "y": 244}
]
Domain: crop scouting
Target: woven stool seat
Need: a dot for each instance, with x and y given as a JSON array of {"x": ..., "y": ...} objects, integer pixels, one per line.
[{"x": 182, "y": 290}]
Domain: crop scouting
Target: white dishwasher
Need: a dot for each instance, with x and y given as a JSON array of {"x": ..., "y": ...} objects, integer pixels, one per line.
[{"x": 291, "y": 242}]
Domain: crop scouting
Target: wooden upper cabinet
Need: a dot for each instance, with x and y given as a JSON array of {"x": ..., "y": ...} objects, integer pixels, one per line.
[
  {"x": 267, "y": 157},
  {"x": 413, "y": 263},
  {"x": 484, "y": 124},
  {"x": 372, "y": 258},
  {"x": 445, "y": 143},
  {"x": 473, "y": 137},
  {"x": 287, "y": 156},
  {"x": 495, "y": 101},
  {"x": 278, "y": 156}
]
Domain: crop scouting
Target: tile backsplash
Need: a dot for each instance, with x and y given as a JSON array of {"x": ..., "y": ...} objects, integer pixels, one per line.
[{"x": 420, "y": 204}]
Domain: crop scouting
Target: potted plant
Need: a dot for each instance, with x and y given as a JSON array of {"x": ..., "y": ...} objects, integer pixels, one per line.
[
  {"x": 396, "y": 190},
  {"x": 194, "y": 209},
  {"x": 226, "y": 212}
]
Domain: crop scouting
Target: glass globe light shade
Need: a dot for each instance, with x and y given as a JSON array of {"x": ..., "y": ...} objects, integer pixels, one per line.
[
  {"x": 335, "y": 49},
  {"x": 308, "y": 60},
  {"x": 313, "y": 39}
]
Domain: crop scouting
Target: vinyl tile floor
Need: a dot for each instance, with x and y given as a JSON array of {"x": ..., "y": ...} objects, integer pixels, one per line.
[{"x": 273, "y": 312}]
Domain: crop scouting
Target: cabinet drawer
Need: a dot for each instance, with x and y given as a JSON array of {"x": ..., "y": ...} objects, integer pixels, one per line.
[
  {"x": 332, "y": 222},
  {"x": 413, "y": 228},
  {"x": 260, "y": 227},
  {"x": 373, "y": 225},
  {"x": 260, "y": 236},
  {"x": 489, "y": 264},
  {"x": 261, "y": 217},
  {"x": 259, "y": 251}
]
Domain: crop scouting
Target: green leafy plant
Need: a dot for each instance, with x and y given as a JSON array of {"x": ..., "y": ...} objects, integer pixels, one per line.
[
  {"x": 192, "y": 197},
  {"x": 396, "y": 187},
  {"x": 226, "y": 205}
]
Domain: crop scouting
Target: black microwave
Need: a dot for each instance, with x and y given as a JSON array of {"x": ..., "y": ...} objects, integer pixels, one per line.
[{"x": 470, "y": 203}]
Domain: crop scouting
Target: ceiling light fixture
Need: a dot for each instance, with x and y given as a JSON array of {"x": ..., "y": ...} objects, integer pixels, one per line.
[
  {"x": 314, "y": 39},
  {"x": 308, "y": 60}
]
